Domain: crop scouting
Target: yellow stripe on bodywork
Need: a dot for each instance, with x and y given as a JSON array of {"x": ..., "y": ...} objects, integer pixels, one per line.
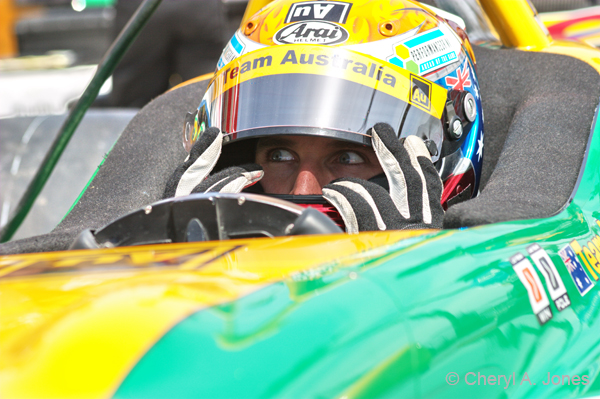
[
  {"x": 74, "y": 323},
  {"x": 84, "y": 353}
]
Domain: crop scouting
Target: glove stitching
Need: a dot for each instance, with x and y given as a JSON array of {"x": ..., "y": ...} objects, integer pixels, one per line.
[
  {"x": 393, "y": 172},
  {"x": 198, "y": 171},
  {"x": 411, "y": 146},
  {"x": 214, "y": 187},
  {"x": 241, "y": 182},
  {"x": 344, "y": 209},
  {"x": 360, "y": 190}
]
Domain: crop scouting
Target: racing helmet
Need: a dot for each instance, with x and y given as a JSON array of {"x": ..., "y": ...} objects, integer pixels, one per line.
[{"x": 336, "y": 68}]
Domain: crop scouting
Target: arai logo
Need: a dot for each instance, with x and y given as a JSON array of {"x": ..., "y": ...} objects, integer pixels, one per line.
[{"x": 311, "y": 32}]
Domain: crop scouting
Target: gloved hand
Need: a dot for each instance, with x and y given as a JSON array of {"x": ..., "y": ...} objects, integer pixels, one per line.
[
  {"x": 191, "y": 176},
  {"x": 415, "y": 188}
]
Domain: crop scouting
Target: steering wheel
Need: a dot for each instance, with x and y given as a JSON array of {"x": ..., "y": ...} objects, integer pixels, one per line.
[{"x": 207, "y": 217}]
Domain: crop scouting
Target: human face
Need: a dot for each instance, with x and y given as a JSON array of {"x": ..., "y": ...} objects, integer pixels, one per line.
[{"x": 302, "y": 165}]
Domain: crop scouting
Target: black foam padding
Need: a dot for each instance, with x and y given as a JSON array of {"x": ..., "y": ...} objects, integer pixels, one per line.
[
  {"x": 53, "y": 241},
  {"x": 539, "y": 110},
  {"x": 134, "y": 173},
  {"x": 137, "y": 169}
]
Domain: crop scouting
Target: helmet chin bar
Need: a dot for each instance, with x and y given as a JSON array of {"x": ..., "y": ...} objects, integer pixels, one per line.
[{"x": 207, "y": 217}]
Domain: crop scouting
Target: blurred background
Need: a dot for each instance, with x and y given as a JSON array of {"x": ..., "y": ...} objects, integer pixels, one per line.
[
  {"x": 49, "y": 50},
  {"x": 561, "y": 5}
]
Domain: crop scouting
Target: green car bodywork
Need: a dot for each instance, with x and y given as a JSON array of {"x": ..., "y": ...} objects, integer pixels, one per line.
[{"x": 418, "y": 321}]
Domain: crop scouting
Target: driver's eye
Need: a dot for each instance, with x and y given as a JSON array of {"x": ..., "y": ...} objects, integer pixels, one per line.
[
  {"x": 281, "y": 155},
  {"x": 350, "y": 158}
]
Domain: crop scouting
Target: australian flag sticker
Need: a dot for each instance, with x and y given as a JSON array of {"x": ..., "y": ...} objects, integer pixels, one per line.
[{"x": 580, "y": 278}]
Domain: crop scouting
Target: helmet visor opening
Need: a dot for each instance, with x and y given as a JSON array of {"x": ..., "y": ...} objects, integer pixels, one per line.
[{"x": 341, "y": 99}]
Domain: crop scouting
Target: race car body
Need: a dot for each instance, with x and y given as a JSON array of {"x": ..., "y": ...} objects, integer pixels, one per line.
[
  {"x": 504, "y": 301},
  {"x": 582, "y": 24}
]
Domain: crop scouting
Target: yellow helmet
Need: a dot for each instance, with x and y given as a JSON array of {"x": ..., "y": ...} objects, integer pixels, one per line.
[
  {"x": 336, "y": 68},
  {"x": 362, "y": 26}
]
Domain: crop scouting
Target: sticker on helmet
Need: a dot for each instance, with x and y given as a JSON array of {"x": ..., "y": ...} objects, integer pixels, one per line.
[
  {"x": 332, "y": 11},
  {"x": 233, "y": 50},
  {"x": 237, "y": 46},
  {"x": 462, "y": 78},
  {"x": 420, "y": 95},
  {"x": 311, "y": 32},
  {"x": 426, "y": 53}
]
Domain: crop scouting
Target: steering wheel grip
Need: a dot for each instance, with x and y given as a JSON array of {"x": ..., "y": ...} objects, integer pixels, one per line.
[{"x": 206, "y": 217}]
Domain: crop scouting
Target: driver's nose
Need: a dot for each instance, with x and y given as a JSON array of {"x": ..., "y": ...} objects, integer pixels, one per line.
[{"x": 306, "y": 183}]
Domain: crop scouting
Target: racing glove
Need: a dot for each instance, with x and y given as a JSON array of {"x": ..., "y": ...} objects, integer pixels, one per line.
[
  {"x": 415, "y": 188},
  {"x": 192, "y": 176}
]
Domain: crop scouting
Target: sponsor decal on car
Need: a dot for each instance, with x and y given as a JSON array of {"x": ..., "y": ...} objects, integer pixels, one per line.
[
  {"x": 589, "y": 253},
  {"x": 555, "y": 285},
  {"x": 311, "y": 32},
  {"x": 535, "y": 290},
  {"x": 581, "y": 280},
  {"x": 332, "y": 11}
]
